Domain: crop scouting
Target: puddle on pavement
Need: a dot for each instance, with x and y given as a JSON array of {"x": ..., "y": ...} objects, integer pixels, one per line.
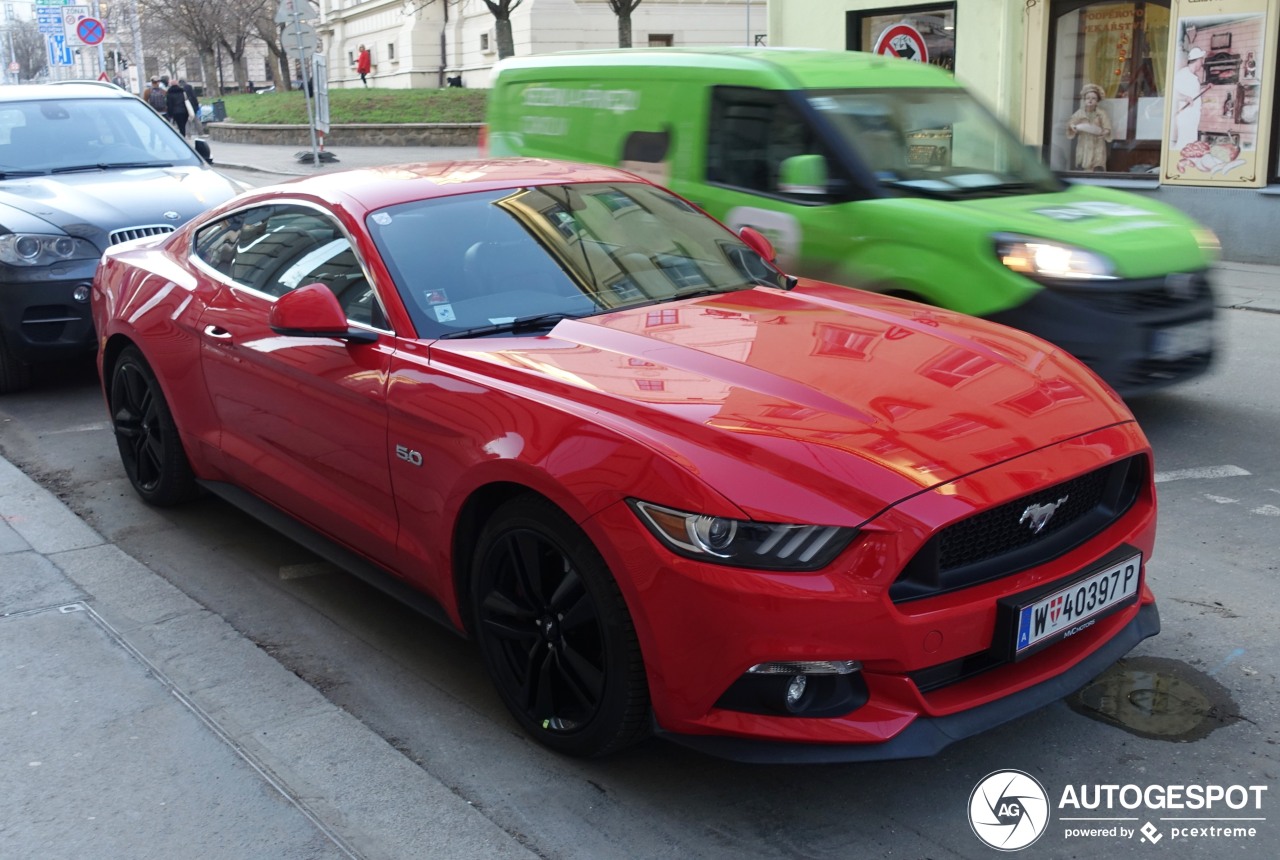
[{"x": 1157, "y": 698}]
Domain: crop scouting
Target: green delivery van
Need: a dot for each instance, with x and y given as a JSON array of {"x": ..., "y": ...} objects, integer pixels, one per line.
[{"x": 886, "y": 175}]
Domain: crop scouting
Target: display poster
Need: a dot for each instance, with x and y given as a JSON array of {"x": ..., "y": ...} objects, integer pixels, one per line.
[{"x": 1217, "y": 113}]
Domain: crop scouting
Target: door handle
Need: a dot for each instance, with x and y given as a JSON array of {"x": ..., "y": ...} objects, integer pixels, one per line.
[{"x": 217, "y": 332}]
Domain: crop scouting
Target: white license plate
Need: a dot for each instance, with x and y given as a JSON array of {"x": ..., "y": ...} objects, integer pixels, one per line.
[
  {"x": 1182, "y": 340},
  {"x": 1070, "y": 610}
]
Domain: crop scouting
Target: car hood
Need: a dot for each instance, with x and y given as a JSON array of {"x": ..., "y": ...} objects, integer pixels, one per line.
[
  {"x": 94, "y": 203},
  {"x": 1142, "y": 237},
  {"x": 761, "y": 392}
]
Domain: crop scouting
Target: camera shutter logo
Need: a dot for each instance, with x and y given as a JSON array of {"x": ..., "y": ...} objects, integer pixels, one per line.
[{"x": 1008, "y": 810}]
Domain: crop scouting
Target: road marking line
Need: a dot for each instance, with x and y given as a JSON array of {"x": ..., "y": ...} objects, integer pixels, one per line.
[
  {"x": 1267, "y": 511},
  {"x": 1207, "y": 472},
  {"x": 1222, "y": 500}
]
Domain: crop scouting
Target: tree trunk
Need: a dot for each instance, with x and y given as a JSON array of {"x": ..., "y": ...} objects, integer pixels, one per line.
[
  {"x": 624, "y": 29},
  {"x": 506, "y": 42}
]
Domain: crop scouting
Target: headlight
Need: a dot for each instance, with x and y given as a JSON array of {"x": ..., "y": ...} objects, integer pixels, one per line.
[
  {"x": 744, "y": 543},
  {"x": 36, "y": 249},
  {"x": 1040, "y": 258}
]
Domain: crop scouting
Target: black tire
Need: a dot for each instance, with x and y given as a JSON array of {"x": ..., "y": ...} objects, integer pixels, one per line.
[
  {"x": 15, "y": 374},
  {"x": 146, "y": 434},
  {"x": 556, "y": 636}
]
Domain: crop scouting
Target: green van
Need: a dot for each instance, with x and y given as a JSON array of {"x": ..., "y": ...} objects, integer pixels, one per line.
[{"x": 884, "y": 174}]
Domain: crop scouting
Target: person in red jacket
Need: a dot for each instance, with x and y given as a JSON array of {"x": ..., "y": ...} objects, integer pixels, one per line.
[{"x": 364, "y": 64}]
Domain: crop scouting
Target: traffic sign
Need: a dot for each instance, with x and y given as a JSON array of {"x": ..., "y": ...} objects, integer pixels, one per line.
[
  {"x": 904, "y": 41},
  {"x": 90, "y": 31},
  {"x": 59, "y": 51}
]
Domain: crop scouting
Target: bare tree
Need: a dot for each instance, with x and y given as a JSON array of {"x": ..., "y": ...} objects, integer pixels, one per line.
[
  {"x": 199, "y": 23},
  {"x": 30, "y": 49},
  {"x": 623, "y": 9}
]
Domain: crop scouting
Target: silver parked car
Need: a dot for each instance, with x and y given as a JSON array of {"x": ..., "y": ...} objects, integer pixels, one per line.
[{"x": 82, "y": 167}]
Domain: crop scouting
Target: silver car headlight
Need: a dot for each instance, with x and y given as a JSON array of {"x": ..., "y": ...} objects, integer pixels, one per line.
[
  {"x": 744, "y": 543},
  {"x": 39, "y": 249},
  {"x": 1040, "y": 258}
]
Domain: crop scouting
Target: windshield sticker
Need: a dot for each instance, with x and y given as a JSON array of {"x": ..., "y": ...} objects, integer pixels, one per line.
[
  {"x": 435, "y": 297},
  {"x": 382, "y": 219},
  {"x": 1093, "y": 209},
  {"x": 444, "y": 313},
  {"x": 618, "y": 101}
]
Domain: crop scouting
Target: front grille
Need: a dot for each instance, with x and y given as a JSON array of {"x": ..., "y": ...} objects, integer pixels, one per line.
[
  {"x": 1146, "y": 295},
  {"x": 1153, "y": 372},
  {"x": 118, "y": 236},
  {"x": 1002, "y": 541}
]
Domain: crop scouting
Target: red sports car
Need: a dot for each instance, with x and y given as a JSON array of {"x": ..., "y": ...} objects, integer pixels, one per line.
[{"x": 663, "y": 486}]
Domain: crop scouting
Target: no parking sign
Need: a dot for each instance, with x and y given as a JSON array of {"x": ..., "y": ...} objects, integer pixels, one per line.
[{"x": 903, "y": 41}]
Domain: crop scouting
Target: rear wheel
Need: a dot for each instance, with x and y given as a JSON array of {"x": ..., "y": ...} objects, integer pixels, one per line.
[
  {"x": 556, "y": 636},
  {"x": 146, "y": 434}
]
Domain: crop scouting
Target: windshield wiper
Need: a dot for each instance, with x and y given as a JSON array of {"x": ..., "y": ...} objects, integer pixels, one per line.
[
  {"x": 10, "y": 174},
  {"x": 111, "y": 165},
  {"x": 520, "y": 325}
]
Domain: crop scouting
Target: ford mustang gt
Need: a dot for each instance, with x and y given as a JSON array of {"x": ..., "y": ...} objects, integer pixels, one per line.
[{"x": 665, "y": 487}]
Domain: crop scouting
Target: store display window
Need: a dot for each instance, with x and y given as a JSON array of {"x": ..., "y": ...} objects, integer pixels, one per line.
[
  {"x": 922, "y": 33},
  {"x": 1106, "y": 89}
]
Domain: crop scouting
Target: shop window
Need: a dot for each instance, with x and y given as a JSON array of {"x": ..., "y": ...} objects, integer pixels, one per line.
[
  {"x": 661, "y": 40},
  {"x": 925, "y": 33},
  {"x": 1106, "y": 89}
]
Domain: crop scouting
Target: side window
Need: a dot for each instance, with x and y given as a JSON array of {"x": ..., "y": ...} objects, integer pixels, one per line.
[
  {"x": 275, "y": 249},
  {"x": 751, "y": 133}
]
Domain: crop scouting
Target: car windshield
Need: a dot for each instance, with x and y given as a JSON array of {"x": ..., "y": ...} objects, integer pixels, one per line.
[
  {"x": 520, "y": 260},
  {"x": 934, "y": 143},
  {"x": 64, "y": 135}
]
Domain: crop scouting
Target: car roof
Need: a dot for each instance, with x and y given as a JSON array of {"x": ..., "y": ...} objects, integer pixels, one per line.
[
  {"x": 62, "y": 90},
  {"x": 375, "y": 187},
  {"x": 803, "y": 68}
]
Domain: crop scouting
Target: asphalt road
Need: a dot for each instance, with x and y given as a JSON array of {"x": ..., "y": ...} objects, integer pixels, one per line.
[{"x": 424, "y": 689}]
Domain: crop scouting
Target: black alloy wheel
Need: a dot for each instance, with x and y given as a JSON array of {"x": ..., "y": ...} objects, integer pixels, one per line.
[
  {"x": 146, "y": 434},
  {"x": 555, "y": 633}
]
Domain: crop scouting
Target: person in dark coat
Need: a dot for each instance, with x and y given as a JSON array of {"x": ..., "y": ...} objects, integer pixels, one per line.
[
  {"x": 193, "y": 103},
  {"x": 176, "y": 104}
]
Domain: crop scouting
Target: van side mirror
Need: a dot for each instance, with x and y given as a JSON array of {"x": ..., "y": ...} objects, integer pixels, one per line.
[
  {"x": 202, "y": 149},
  {"x": 803, "y": 174}
]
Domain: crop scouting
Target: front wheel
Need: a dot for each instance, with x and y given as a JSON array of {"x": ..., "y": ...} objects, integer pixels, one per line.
[
  {"x": 146, "y": 434},
  {"x": 555, "y": 633}
]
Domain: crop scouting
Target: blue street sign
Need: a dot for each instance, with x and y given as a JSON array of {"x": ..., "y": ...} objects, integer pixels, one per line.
[{"x": 59, "y": 51}]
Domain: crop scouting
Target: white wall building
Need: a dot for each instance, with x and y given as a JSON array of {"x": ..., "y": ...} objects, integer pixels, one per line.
[{"x": 419, "y": 43}]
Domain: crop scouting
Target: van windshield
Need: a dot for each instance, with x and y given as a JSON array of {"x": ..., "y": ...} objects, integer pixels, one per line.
[{"x": 934, "y": 143}]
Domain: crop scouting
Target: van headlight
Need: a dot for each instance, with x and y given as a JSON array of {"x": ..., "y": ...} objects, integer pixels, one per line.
[
  {"x": 744, "y": 543},
  {"x": 1039, "y": 258},
  {"x": 38, "y": 249}
]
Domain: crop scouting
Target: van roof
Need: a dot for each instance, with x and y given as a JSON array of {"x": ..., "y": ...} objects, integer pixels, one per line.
[{"x": 788, "y": 68}]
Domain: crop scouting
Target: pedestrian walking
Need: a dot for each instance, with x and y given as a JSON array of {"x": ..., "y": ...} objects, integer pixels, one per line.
[
  {"x": 193, "y": 105},
  {"x": 176, "y": 101},
  {"x": 364, "y": 64},
  {"x": 158, "y": 98}
]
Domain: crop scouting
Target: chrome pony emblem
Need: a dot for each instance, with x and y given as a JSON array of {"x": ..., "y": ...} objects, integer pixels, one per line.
[{"x": 1038, "y": 516}]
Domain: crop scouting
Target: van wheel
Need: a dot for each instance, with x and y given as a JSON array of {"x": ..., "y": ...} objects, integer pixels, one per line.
[
  {"x": 150, "y": 448},
  {"x": 15, "y": 374},
  {"x": 555, "y": 634}
]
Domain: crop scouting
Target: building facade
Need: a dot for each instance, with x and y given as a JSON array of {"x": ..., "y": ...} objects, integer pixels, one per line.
[
  {"x": 1169, "y": 98},
  {"x": 425, "y": 43}
]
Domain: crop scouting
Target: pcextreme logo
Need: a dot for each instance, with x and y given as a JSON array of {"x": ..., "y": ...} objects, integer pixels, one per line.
[{"x": 1009, "y": 810}]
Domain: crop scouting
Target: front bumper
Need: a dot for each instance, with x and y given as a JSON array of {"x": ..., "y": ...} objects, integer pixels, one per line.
[
  {"x": 1127, "y": 331},
  {"x": 927, "y": 736},
  {"x": 40, "y": 320},
  {"x": 702, "y": 626}
]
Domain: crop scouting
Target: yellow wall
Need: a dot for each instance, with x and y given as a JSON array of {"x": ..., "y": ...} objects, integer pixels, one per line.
[{"x": 990, "y": 41}]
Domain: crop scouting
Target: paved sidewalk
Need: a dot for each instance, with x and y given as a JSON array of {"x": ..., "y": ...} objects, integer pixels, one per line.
[{"x": 136, "y": 723}]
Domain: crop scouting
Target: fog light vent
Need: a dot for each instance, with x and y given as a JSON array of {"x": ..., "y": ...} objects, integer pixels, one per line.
[{"x": 798, "y": 688}]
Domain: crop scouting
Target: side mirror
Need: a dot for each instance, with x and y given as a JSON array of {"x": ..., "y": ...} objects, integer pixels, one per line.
[
  {"x": 313, "y": 311},
  {"x": 758, "y": 242},
  {"x": 202, "y": 149},
  {"x": 803, "y": 174}
]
